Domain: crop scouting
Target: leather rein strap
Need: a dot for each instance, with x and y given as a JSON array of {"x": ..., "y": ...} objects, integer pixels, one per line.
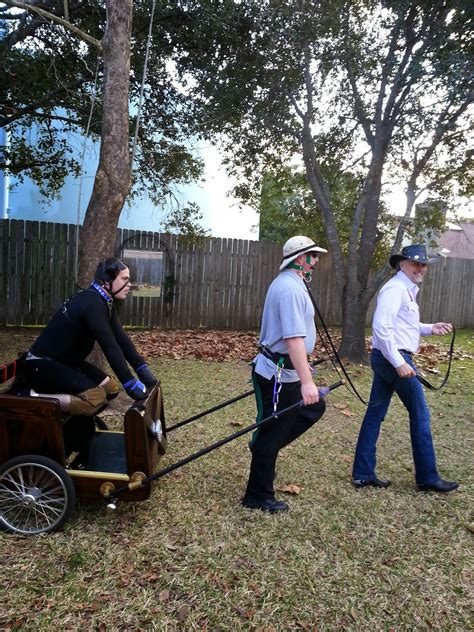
[
  {"x": 336, "y": 355},
  {"x": 430, "y": 386},
  {"x": 421, "y": 379}
]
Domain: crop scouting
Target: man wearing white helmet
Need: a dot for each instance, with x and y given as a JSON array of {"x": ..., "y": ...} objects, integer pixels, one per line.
[{"x": 282, "y": 375}]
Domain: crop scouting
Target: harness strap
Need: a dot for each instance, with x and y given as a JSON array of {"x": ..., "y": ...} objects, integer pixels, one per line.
[
  {"x": 421, "y": 379},
  {"x": 336, "y": 355},
  {"x": 275, "y": 357}
]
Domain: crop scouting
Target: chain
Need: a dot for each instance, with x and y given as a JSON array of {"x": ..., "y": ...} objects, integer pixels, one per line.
[{"x": 277, "y": 385}]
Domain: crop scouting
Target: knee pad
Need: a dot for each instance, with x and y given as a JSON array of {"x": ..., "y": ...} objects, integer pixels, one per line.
[
  {"x": 88, "y": 402},
  {"x": 111, "y": 388}
]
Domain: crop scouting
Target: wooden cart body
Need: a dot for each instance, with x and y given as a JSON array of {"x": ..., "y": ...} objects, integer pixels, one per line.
[{"x": 34, "y": 426}]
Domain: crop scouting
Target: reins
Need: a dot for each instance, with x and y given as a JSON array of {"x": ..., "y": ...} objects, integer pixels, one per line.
[
  {"x": 420, "y": 378},
  {"x": 430, "y": 386},
  {"x": 334, "y": 351}
]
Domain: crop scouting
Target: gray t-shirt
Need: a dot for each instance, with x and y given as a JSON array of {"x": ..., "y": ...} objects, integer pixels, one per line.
[{"x": 287, "y": 313}]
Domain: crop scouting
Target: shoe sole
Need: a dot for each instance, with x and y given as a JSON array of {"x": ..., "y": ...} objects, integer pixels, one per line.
[
  {"x": 438, "y": 491},
  {"x": 265, "y": 510},
  {"x": 374, "y": 485}
]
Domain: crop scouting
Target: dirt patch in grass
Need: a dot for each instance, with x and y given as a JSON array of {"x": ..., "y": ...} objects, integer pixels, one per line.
[{"x": 191, "y": 558}]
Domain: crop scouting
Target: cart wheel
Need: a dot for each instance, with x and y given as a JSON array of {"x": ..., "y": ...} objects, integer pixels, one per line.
[
  {"x": 100, "y": 424},
  {"x": 36, "y": 495}
]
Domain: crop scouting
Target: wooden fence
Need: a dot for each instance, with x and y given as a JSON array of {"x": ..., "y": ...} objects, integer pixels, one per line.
[{"x": 218, "y": 285}]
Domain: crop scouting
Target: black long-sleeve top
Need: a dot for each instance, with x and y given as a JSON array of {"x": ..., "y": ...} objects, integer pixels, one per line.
[{"x": 84, "y": 319}]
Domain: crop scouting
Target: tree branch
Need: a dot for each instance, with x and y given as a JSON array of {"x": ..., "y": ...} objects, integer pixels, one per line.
[
  {"x": 359, "y": 105},
  {"x": 55, "y": 18},
  {"x": 7, "y": 120}
]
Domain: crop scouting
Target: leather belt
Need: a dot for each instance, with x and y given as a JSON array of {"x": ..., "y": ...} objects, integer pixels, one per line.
[{"x": 275, "y": 357}]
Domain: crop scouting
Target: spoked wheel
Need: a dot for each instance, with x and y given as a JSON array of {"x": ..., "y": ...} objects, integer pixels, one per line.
[{"x": 36, "y": 495}]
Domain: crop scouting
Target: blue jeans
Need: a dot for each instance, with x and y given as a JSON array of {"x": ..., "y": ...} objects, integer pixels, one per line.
[{"x": 410, "y": 391}]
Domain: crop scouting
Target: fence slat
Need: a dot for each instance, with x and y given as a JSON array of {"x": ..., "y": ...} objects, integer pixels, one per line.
[{"x": 218, "y": 283}]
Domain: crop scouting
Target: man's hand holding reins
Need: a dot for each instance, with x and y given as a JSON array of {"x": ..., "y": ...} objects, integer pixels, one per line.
[
  {"x": 441, "y": 329},
  {"x": 405, "y": 370}
]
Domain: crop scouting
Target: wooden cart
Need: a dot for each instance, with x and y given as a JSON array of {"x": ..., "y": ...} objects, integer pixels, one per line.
[{"x": 37, "y": 486}]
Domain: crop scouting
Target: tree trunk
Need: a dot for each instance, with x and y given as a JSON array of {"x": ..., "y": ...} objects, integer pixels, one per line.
[
  {"x": 354, "y": 313},
  {"x": 113, "y": 176}
]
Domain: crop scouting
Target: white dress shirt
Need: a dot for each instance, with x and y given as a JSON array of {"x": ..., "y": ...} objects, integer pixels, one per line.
[{"x": 396, "y": 323}]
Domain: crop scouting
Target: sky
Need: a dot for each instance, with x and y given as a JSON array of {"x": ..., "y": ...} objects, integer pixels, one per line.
[{"x": 222, "y": 215}]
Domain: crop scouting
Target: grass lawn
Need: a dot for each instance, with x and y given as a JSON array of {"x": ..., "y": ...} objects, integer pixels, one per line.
[{"x": 191, "y": 558}]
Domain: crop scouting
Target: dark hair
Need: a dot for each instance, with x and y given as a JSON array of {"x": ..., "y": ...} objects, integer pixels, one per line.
[{"x": 107, "y": 270}]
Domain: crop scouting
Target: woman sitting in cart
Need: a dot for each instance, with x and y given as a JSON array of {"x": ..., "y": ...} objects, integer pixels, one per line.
[{"x": 56, "y": 363}]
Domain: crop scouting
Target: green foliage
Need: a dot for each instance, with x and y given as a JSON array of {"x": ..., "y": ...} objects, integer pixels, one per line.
[
  {"x": 287, "y": 207},
  {"x": 186, "y": 222},
  {"x": 363, "y": 94},
  {"x": 428, "y": 223},
  {"x": 49, "y": 88}
]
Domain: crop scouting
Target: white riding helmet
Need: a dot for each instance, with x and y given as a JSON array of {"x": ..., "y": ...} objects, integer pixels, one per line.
[{"x": 296, "y": 246}]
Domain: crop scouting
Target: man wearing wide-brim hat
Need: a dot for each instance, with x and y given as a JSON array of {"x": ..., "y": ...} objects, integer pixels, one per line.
[
  {"x": 396, "y": 331},
  {"x": 281, "y": 375}
]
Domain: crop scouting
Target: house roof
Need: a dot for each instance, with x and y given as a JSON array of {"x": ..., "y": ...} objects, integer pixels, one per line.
[{"x": 459, "y": 240}]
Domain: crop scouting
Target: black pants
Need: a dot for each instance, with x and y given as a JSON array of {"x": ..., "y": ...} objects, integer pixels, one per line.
[
  {"x": 274, "y": 435},
  {"x": 48, "y": 376}
]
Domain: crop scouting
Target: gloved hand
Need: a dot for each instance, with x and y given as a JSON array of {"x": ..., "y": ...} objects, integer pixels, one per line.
[
  {"x": 146, "y": 376},
  {"x": 135, "y": 389}
]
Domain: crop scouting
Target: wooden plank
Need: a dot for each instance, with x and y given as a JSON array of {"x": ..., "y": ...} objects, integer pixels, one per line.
[
  {"x": 137, "y": 304},
  {"x": 205, "y": 283},
  {"x": 62, "y": 256},
  {"x": 15, "y": 307},
  {"x": 125, "y": 309},
  {"x": 170, "y": 315},
  {"x": 214, "y": 256},
  {"x": 28, "y": 316},
  {"x": 36, "y": 275},
  {"x": 240, "y": 280},
  {"x": 148, "y": 300},
  {"x": 186, "y": 281},
  {"x": 156, "y": 302},
  {"x": 179, "y": 283},
  {"x": 73, "y": 237},
  {"x": 30, "y": 425},
  {"x": 55, "y": 268},
  {"x": 230, "y": 299},
  {"x": 198, "y": 284},
  {"x": 4, "y": 276},
  {"x": 254, "y": 275},
  {"x": 49, "y": 305},
  {"x": 222, "y": 280},
  {"x": 160, "y": 316}
]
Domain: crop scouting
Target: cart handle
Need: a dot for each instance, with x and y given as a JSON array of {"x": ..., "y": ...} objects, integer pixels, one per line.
[{"x": 213, "y": 446}]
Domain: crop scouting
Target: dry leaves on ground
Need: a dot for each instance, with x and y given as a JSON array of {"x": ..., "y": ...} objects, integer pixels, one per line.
[{"x": 210, "y": 344}]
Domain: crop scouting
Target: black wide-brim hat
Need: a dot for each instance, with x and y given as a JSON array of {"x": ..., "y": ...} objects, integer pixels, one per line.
[{"x": 415, "y": 252}]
